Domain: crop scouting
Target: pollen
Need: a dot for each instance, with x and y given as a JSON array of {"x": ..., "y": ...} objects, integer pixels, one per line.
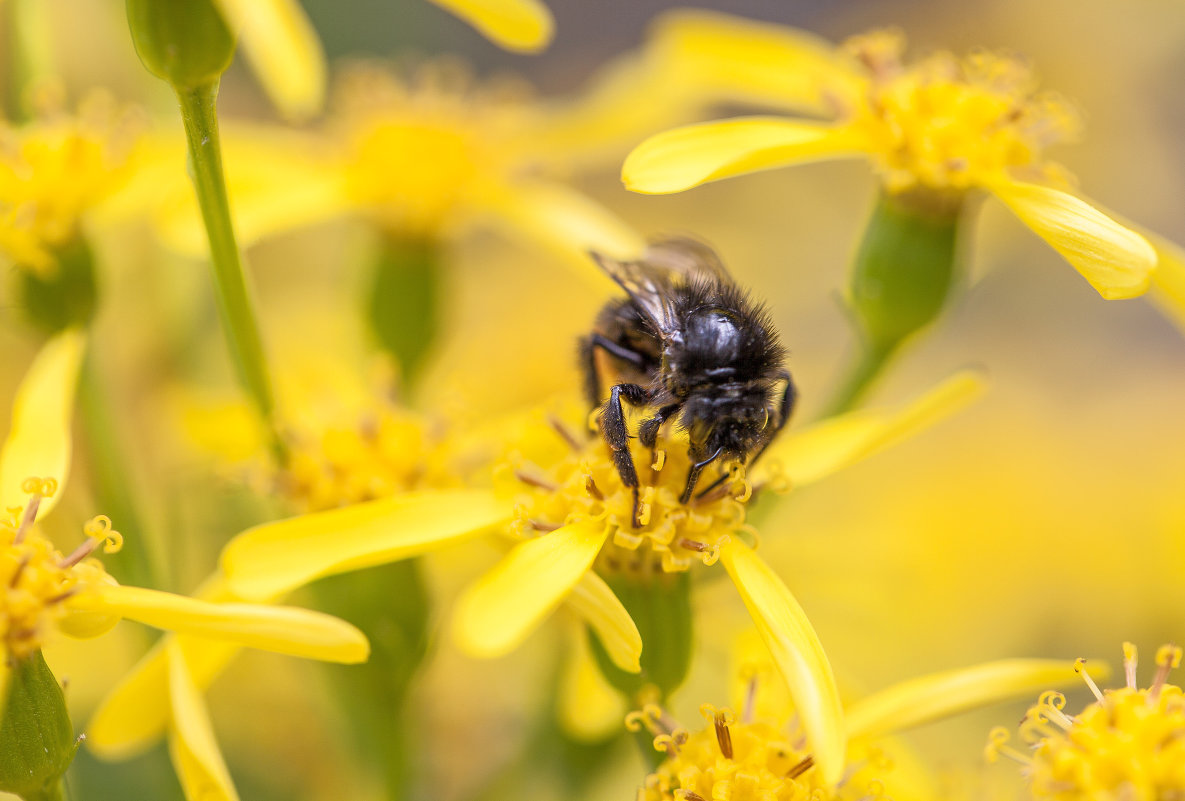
[
  {"x": 945, "y": 123},
  {"x": 417, "y": 148},
  {"x": 1128, "y": 744},
  {"x": 54, "y": 169},
  {"x": 36, "y": 580},
  {"x": 743, "y": 760},
  {"x": 568, "y": 476},
  {"x": 385, "y": 451}
]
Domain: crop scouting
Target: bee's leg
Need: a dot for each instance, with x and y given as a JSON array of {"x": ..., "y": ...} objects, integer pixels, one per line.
[
  {"x": 648, "y": 433},
  {"x": 785, "y": 409},
  {"x": 693, "y": 475},
  {"x": 616, "y": 434},
  {"x": 588, "y": 360}
]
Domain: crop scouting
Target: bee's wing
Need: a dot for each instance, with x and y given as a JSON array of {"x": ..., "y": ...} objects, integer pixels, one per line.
[{"x": 668, "y": 265}]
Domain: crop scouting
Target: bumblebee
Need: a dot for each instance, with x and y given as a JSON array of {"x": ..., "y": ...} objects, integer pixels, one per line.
[{"x": 690, "y": 346}]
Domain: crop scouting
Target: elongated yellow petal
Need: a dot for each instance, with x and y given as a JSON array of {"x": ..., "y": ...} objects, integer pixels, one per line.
[
  {"x": 284, "y": 52},
  {"x": 566, "y": 222},
  {"x": 797, "y": 652},
  {"x": 136, "y": 713},
  {"x": 742, "y": 60},
  {"x": 521, "y": 25},
  {"x": 497, "y": 612},
  {"x": 283, "y": 629},
  {"x": 681, "y": 158},
  {"x": 589, "y": 709},
  {"x": 592, "y": 599},
  {"x": 38, "y": 444},
  {"x": 1116, "y": 260},
  {"x": 192, "y": 746},
  {"x": 828, "y": 446},
  {"x": 1168, "y": 282},
  {"x": 272, "y": 559},
  {"x": 940, "y": 695}
]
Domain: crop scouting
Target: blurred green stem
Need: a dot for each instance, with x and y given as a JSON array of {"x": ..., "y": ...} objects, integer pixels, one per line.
[
  {"x": 403, "y": 306},
  {"x": 199, "y": 115}
]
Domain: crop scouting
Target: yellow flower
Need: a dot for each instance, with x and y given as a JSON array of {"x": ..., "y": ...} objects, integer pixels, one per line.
[
  {"x": 1128, "y": 744},
  {"x": 43, "y": 591},
  {"x": 53, "y": 171},
  {"x": 934, "y": 130},
  {"x": 558, "y": 496},
  {"x": 762, "y": 752},
  {"x": 431, "y": 155}
]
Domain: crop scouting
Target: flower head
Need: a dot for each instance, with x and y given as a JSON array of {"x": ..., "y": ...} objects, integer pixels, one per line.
[
  {"x": 53, "y": 171},
  {"x": 933, "y": 129},
  {"x": 1128, "y": 743}
]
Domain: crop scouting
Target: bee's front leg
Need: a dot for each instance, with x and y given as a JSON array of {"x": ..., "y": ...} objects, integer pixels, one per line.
[{"x": 613, "y": 429}]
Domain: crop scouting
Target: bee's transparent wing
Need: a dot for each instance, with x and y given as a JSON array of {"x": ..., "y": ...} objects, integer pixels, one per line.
[{"x": 651, "y": 282}]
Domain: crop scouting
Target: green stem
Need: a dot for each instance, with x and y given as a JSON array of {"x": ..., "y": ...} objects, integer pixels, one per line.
[
  {"x": 403, "y": 305},
  {"x": 52, "y": 793},
  {"x": 860, "y": 378},
  {"x": 199, "y": 115}
]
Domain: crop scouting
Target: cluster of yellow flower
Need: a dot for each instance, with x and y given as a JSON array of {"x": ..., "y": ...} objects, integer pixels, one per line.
[{"x": 366, "y": 478}]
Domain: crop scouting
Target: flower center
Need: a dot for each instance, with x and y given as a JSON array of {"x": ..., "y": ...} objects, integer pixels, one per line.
[
  {"x": 569, "y": 478},
  {"x": 944, "y": 123},
  {"x": 386, "y": 452},
  {"x": 1129, "y": 743},
  {"x": 415, "y": 153},
  {"x": 741, "y": 761},
  {"x": 36, "y": 579}
]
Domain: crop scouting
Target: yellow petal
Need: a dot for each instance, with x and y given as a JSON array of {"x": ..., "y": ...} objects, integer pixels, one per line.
[
  {"x": 588, "y": 708},
  {"x": 797, "y": 652},
  {"x": 272, "y": 559},
  {"x": 826, "y": 447},
  {"x": 1116, "y": 260},
  {"x": 136, "y": 713},
  {"x": 940, "y": 695},
  {"x": 283, "y": 629},
  {"x": 740, "y": 60},
  {"x": 497, "y": 611},
  {"x": 566, "y": 222},
  {"x": 192, "y": 746},
  {"x": 520, "y": 25},
  {"x": 38, "y": 443},
  {"x": 592, "y": 599},
  {"x": 284, "y": 51},
  {"x": 1168, "y": 282},
  {"x": 696, "y": 154}
]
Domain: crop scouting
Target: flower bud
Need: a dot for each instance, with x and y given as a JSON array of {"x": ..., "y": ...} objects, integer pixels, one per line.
[
  {"x": 184, "y": 42},
  {"x": 35, "y": 729}
]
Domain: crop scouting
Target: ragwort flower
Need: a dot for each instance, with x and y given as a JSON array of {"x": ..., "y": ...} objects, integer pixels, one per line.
[
  {"x": 46, "y": 592},
  {"x": 558, "y": 496},
  {"x": 935, "y": 130},
  {"x": 1128, "y": 744}
]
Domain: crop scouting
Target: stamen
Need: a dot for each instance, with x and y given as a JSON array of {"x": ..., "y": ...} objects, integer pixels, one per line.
[
  {"x": 660, "y": 459},
  {"x": 687, "y": 795},
  {"x": 670, "y": 743},
  {"x": 1050, "y": 704},
  {"x": 750, "y": 700},
  {"x": 81, "y": 552},
  {"x": 99, "y": 528},
  {"x": 1129, "y": 664},
  {"x": 694, "y": 545},
  {"x": 1080, "y": 669},
  {"x": 723, "y": 736},
  {"x": 20, "y": 568},
  {"x": 590, "y": 486},
  {"x": 535, "y": 482},
  {"x": 1167, "y": 658},
  {"x": 998, "y": 746},
  {"x": 566, "y": 435},
  {"x": 802, "y": 767},
  {"x": 541, "y": 526}
]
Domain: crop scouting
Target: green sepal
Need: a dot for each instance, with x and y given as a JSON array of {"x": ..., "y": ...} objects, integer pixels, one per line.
[
  {"x": 901, "y": 277},
  {"x": 403, "y": 305},
  {"x": 66, "y": 296},
  {"x": 183, "y": 42},
  {"x": 37, "y": 742},
  {"x": 660, "y": 606}
]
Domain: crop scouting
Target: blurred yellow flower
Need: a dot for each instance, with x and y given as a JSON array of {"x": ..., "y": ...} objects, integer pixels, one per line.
[
  {"x": 1129, "y": 743},
  {"x": 431, "y": 155},
  {"x": 558, "y": 495},
  {"x": 763, "y": 752},
  {"x": 53, "y": 171},
  {"x": 933, "y": 129}
]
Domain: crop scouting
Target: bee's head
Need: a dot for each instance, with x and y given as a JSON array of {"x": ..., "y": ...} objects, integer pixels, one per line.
[{"x": 733, "y": 423}]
